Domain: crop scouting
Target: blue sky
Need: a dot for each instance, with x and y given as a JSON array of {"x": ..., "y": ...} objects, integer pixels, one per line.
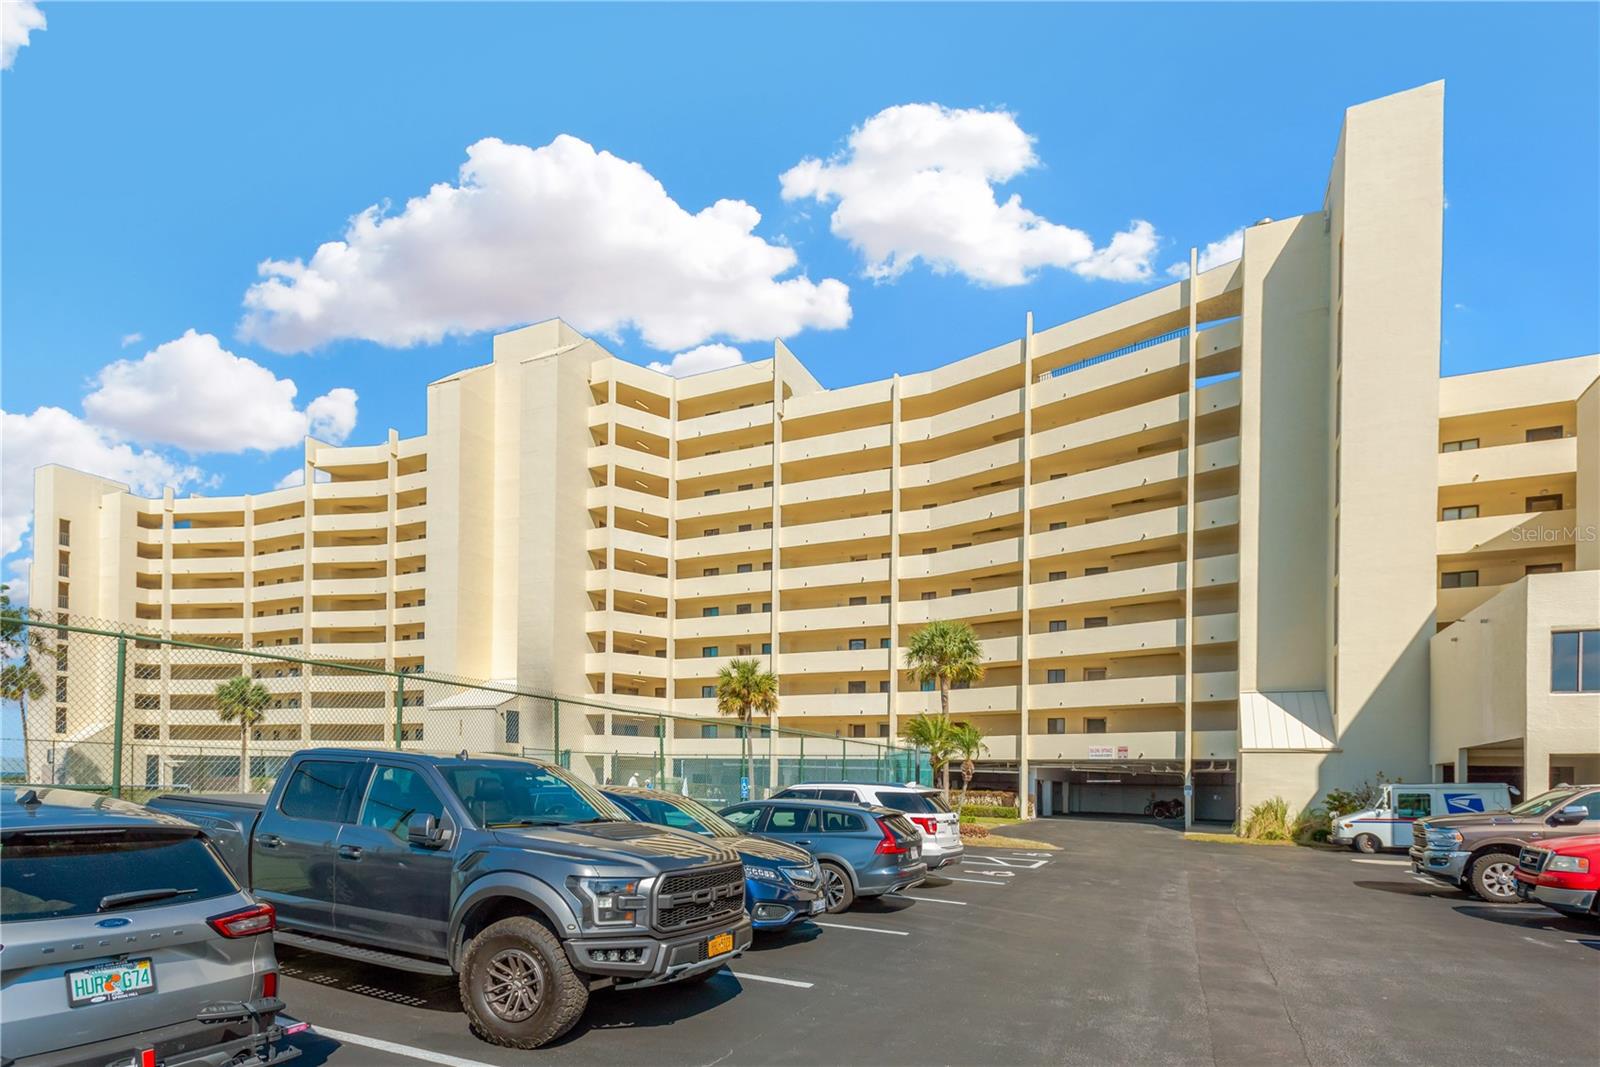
[{"x": 154, "y": 155}]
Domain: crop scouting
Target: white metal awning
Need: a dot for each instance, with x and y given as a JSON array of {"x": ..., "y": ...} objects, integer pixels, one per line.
[{"x": 1286, "y": 722}]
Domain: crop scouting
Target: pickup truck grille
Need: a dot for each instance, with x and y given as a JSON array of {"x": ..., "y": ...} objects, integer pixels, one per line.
[
  {"x": 691, "y": 898},
  {"x": 1533, "y": 860},
  {"x": 1419, "y": 834}
]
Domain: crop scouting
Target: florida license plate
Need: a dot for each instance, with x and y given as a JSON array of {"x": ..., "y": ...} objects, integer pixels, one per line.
[
  {"x": 112, "y": 981},
  {"x": 716, "y": 946}
]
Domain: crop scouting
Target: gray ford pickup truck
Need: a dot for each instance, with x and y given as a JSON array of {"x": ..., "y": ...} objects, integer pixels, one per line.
[{"x": 511, "y": 874}]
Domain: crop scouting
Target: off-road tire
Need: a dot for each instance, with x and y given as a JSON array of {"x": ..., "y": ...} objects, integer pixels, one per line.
[
  {"x": 1367, "y": 844},
  {"x": 1486, "y": 879},
  {"x": 562, "y": 994},
  {"x": 847, "y": 892}
]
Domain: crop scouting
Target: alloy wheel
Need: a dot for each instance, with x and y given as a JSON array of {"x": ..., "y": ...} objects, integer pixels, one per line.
[
  {"x": 1501, "y": 880},
  {"x": 514, "y": 985},
  {"x": 832, "y": 886}
]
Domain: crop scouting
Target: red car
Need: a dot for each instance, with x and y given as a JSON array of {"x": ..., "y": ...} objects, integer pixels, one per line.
[{"x": 1564, "y": 874}]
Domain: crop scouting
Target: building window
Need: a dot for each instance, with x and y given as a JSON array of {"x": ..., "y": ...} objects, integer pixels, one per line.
[
  {"x": 856, "y": 687},
  {"x": 1543, "y": 433},
  {"x": 1094, "y": 726},
  {"x": 513, "y": 726},
  {"x": 628, "y": 729},
  {"x": 708, "y": 729},
  {"x": 766, "y": 648},
  {"x": 883, "y": 727},
  {"x": 766, "y": 565},
  {"x": 708, "y": 692},
  {"x": 1094, "y": 674},
  {"x": 1575, "y": 661},
  {"x": 744, "y": 568},
  {"x": 742, "y": 609},
  {"x": 1058, "y": 576},
  {"x": 747, "y": 486},
  {"x": 858, "y": 601},
  {"x": 61, "y": 689},
  {"x": 1542, "y": 568},
  {"x": 1057, "y": 625},
  {"x": 1096, "y": 570},
  {"x": 930, "y": 595},
  {"x": 64, "y": 533},
  {"x": 960, "y": 592},
  {"x": 713, "y": 532},
  {"x": 710, "y": 613},
  {"x": 1550, "y": 502},
  {"x": 1055, "y": 726},
  {"x": 708, "y": 652},
  {"x": 883, "y": 642},
  {"x": 61, "y": 720},
  {"x": 1465, "y": 445},
  {"x": 711, "y": 572},
  {"x": 744, "y": 527},
  {"x": 712, "y": 492},
  {"x": 858, "y": 729},
  {"x": 1055, "y": 675},
  {"x": 1458, "y": 580},
  {"x": 1466, "y": 511},
  {"x": 928, "y": 685},
  {"x": 883, "y": 686},
  {"x": 858, "y": 644}
]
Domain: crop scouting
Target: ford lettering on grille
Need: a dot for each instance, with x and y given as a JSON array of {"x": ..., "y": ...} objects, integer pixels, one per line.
[{"x": 691, "y": 898}]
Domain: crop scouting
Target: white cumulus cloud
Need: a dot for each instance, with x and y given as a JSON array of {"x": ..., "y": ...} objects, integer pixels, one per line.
[
  {"x": 131, "y": 339},
  {"x": 196, "y": 395},
  {"x": 18, "y": 19},
  {"x": 697, "y": 360},
  {"x": 1225, "y": 249},
  {"x": 534, "y": 233},
  {"x": 53, "y": 435},
  {"x": 917, "y": 181}
]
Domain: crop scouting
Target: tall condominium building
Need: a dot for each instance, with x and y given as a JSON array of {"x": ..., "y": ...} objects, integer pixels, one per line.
[{"x": 1233, "y": 532}]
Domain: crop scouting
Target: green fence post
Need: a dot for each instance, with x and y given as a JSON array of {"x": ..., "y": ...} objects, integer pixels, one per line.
[
  {"x": 399, "y": 712},
  {"x": 116, "y": 720},
  {"x": 802, "y": 758},
  {"x": 661, "y": 752},
  {"x": 555, "y": 730},
  {"x": 844, "y": 760}
]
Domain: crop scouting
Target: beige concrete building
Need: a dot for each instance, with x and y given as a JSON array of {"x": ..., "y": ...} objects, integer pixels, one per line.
[{"x": 1201, "y": 534}]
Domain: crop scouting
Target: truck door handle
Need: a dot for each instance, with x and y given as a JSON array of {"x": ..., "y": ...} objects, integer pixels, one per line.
[
  {"x": 269, "y": 840},
  {"x": 349, "y": 852},
  {"x": 803, "y": 841}
]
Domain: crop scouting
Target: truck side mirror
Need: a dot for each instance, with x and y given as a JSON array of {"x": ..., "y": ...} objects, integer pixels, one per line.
[
  {"x": 424, "y": 831},
  {"x": 1570, "y": 816}
]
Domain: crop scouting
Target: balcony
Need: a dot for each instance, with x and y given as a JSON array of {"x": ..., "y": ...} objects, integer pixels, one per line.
[
  {"x": 1503, "y": 463},
  {"x": 1508, "y": 533},
  {"x": 746, "y": 542},
  {"x": 844, "y": 617},
  {"x": 725, "y": 422},
  {"x": 838, "y": 661},
  {"x": 378, "y": 553},
  {"x": 349, "y": 587},
  {"x": 757, "y": 460},
  {"x": 752, "y": 583},
  {"x": 599, "y": 538},
  {"x": 855, "y": 572},
  {"x": 993, "y": 556},
  {"x": 831, "y": 704},
  {"x": 629, "y": 459},
  {"x": 987, "y": 604},
  {"x": 654, "y": 667},
  {"x": 989, "y": 507},
  {"x": 835, "y": 531},
  {"x": 625, "y": 622},
  {"x": 362, "y": 521},
  {"x": 1131, "y": 692},
  {"x": 758, "y": 499},
  {"x": 752, "y": 626},
  {"x": 983, "y": 412},
  {"x": 1165, "y": 635},
  {"x": 221, "y": 595},
  {"x": 845, "y": 442},
  {"x": 978, "y": 699},
  {"x": 838, "y": 487}
]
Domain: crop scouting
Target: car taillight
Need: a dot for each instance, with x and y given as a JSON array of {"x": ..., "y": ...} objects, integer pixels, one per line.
[
  {"x": 258, "y": 919},
  {"x": 147, "y": 1058},
  {"x": 890, "y": 845},
  {"x": 928, "y": 823},
  {"x": 269, "y": 984}
]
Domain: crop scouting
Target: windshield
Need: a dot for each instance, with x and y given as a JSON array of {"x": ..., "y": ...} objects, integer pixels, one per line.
[
  {"x": 1542, "y": 803},
  {"x": 527, "y": 794},
  {"x": 683, "y": 813},
  {"x": 916, "y": 803}
]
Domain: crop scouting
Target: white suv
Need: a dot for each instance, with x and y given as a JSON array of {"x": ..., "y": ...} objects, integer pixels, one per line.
[{"x": 925, "y": 808}]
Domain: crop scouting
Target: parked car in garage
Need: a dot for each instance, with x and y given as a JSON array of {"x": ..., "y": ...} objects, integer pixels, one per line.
[
  {"x": 1479, "y": 853},
  {"x": 1387, "y": 824},
  {"x": 127, "y": 941},
  {"x": 923, "y": 808},
  {"x": 861, "y": 851},
  {"x": 782, "y": 884},
  {"x": 1564, "y": 875}
]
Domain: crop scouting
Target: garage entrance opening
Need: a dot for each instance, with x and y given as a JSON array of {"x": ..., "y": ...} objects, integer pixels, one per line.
[{"x": 1134, "y": 788}]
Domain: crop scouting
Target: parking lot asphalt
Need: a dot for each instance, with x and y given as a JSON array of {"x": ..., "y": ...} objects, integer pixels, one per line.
[{"x": 1130, "y": 945}]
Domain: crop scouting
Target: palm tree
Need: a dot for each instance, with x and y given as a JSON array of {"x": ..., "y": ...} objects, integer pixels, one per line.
[
  {"x": 946, "y": 654},
  {"x": 934, "y": 733},
  {"x": 245, "y": 702},
  {"x": 20, "y": 681},
  {"x": 744, "y": 690},
  {"x": 966, "y": 741}
]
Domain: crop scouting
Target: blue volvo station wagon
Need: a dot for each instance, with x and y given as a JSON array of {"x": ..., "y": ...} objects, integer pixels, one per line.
[{"x": 782, "y": 883}]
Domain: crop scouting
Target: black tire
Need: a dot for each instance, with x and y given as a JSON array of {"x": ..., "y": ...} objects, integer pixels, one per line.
[
  {"x": 836, "y": 888},
  {"x": 1492, "y": 877},
  {"x": 501, "y": 1011},
  {"x": 1366, "y": 843}
]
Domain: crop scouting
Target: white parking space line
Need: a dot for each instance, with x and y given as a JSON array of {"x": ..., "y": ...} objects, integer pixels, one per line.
[
  {"x": 863, "y": 929},
  {"x": 1536, "y": 941},
  {"x": 992, "y": 874},
  {"x": 973, "y": 881},
  {"x": 1386, "y": 863},
  {"x": 425, "y": 1055},
  {"x": 746, "y": 977},
  {"x": 932, "y": 900}
]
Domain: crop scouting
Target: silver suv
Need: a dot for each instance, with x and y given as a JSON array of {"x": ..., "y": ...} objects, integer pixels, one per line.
[{"x": 127, "y": 941}]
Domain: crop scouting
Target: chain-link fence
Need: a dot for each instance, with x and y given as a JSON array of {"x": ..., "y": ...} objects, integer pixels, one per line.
[{"x": 106, "y": 707}]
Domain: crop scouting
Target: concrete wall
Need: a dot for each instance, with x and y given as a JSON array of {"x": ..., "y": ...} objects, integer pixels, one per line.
[{"x": 1587, "y": 534}]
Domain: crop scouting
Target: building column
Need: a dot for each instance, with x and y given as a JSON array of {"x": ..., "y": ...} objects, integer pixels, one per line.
[
  {"x": 1191, "y": 457},
  {"x": 1025, "y": 554},
  {"x": 894, "y": 558},
  {"x": 611, "y": 532}
]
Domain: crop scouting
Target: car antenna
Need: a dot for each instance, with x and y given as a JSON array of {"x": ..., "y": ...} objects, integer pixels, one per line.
[
  {"x": 29, "y": 798},
  {"x": 462, "y": 754}
]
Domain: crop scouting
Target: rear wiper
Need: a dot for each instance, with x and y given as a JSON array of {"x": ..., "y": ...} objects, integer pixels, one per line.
[{"x": 139, "y": 896}]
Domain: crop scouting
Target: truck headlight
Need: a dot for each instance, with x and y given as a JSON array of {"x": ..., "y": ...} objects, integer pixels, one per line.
[
  {"x": 609, "y": 901},
  {"x": 1443, "y": 838},
  {"x": 762, "y": 874},
  {"x": 1570, "y": 864}
]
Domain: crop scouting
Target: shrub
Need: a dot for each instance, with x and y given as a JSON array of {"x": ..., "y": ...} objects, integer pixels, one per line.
[
  {"x": 1344, "y": 801},
  {"x": 992, "y": 797},
  {"x": 1268, "y": 821},
  {"x": 1313, "y": 824},
  {"x": 972, "y": 829},
  {"x": 987, "y": 811}
]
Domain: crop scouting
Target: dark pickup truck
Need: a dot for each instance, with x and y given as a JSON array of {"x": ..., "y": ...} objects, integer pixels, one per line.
[{"x": 517, "y": 877}]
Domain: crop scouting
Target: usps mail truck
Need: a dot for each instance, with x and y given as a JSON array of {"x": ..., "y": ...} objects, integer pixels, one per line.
[{"x": 1400, "y": 804}]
